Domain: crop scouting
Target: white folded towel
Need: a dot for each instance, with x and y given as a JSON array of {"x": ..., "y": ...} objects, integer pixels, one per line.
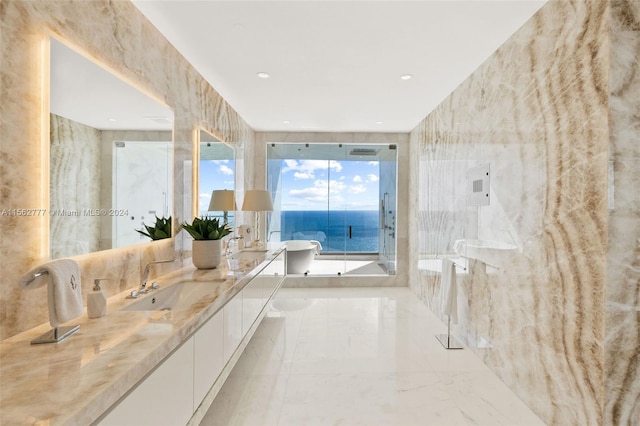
[
  {"x": 317, "y": 244},
  {"x": 449, "y": 290},
  {"x": 64, "y": 291}
]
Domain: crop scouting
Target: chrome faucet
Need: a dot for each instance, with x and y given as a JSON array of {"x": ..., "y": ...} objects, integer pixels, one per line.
[{"x": 145, "y": 276}]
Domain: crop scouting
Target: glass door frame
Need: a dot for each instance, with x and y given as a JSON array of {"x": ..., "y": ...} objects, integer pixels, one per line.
[{"x": 345, "y": 154}]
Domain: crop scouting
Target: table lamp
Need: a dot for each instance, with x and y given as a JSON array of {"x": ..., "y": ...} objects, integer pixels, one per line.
[
  {"x": 257, "y": 200},
  {"x": 223, "y": 200}
]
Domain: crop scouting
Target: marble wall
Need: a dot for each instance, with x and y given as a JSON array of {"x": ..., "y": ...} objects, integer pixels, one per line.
[
  {"x": 118, "y": 36},
  {"x": 75, "y": 170},
  {"x": 537, "y": 112},
  {"x": 622, "y": 344}
]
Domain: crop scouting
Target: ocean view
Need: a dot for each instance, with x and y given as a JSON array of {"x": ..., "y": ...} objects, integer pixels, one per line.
[{"x": 331, "y": 228}]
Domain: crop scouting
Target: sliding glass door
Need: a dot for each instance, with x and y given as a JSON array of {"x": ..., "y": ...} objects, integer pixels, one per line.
[{"x": 330, "y": 193}]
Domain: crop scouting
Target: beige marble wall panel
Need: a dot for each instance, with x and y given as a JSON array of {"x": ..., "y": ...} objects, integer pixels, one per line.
[
  {"x": 623, "y": 261},
  {"x": 536, "y": 111},
  {"x": 75, "y": 169},
  {"x": 118, "y": 36}
]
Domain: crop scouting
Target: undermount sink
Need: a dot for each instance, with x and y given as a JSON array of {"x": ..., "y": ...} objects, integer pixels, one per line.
[
  {"x": 178, "y": 297},
  {"x": 493, "y": 253},
  {"x": 244, "y": 258},
  {"x": 247, "y": 255}
]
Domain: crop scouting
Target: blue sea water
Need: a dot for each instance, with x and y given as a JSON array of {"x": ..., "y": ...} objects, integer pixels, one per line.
[{"x": 331, "y": 228}]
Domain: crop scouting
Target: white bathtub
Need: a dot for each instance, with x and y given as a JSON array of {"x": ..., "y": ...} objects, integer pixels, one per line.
[{"x": 300, "y": 254}]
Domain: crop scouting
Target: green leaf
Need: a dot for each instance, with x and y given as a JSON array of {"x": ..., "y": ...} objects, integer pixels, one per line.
[
  {"x": 160, "y": 231},
  {"x": 206, "y": 228}
]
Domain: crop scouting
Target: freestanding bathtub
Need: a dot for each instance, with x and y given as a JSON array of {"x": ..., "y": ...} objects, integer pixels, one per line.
[{"x": 300, "y": 254}]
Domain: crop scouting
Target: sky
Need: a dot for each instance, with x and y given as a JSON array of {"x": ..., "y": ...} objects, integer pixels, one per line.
[
  {"x": 214, "y": 174},
  {"x": 306, "y": 184},
  {"x": 316, "y": 184}
]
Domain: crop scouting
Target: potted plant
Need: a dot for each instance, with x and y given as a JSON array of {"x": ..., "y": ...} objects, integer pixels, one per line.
[
  {"x": 207, "y": 234},
  {"x": 160, "y": 231}
]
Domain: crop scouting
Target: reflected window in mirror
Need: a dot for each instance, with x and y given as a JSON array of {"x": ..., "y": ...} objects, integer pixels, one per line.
[
  {"x": 110, "y": 158},
  {"x": 216, "y": 179}
]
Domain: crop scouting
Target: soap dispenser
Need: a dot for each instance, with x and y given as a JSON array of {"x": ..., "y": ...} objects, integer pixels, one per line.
[{"x": 97, "y": 301}]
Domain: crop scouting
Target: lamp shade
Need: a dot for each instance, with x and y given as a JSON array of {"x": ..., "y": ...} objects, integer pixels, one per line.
[
  {"x": 222, "y": 200},
  {"x": 257, "y": 200}
]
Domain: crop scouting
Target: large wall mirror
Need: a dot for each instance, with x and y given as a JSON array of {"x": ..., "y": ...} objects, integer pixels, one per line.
[
  {"x": 110, "y": 158},
  {"x": 216, "y": 173}
]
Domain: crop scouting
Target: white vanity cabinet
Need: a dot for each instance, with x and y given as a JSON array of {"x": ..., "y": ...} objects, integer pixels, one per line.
[
  {"x": 208, "y": 357},
  {"x": 188, "y": 379},
  {"x": 272, "y": 276},
  {"x": 232, "y": 312},
  {"x": 164, "y": 397},
  {"x": 252, "y": 302},
  {"x": 259, "y": 291}
]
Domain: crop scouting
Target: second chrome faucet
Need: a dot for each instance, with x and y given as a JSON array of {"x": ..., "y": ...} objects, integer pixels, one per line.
[{"x": 145, "y": 276}]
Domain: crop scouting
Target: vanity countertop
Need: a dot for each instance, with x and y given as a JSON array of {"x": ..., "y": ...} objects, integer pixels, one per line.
[{"x": 75, "y": 381}]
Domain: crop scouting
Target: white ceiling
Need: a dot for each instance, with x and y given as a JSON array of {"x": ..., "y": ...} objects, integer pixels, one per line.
[
  {"x": 336, "y": 65},
  {"x": 84, "y": 91}
]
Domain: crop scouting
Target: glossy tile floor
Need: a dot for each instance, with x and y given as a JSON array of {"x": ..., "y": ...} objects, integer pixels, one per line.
[
  {"x": 359, "y": 356},
  {"x": 331, "y": 267}
]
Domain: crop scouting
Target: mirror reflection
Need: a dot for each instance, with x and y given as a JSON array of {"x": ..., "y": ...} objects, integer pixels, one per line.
[
  {"x": 216, "y": 174},
  {"x": 111, "y": 158}
]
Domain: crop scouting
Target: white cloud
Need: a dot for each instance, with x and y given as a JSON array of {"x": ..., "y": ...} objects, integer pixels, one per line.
[
  {"x": 373, "y": 163},
  {"x": 372, "y": 178},
  {"x": 336, "y": 186},
  {"x": 225, "y": 170},
  {"x": 318, "y": 192},
  {"x": 220, "y": 161},
  {"x": 303, "y": 175},
  {"x": 290, "y": 165},
  {"x": 204, "y": 200},
  {"x": 305, "y": 169},
  {"x": 357, "y": 178},
  {"x": 357, "y": 189},
  {"x": 335, "y": 166}
]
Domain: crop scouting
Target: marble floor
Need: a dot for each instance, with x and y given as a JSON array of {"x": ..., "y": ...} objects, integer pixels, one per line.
[
  {"x": 359, "y": 356},
  {"x": 331, "y": 267}
]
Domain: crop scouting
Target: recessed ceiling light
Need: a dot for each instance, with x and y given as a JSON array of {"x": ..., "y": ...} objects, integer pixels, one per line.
[
  {"x": 111, "y": 119},
  {"x": 286, "y": 122},
  {"x": 406, "y": 77},
  {"x": 263, "y": 75},
  {"x": 378, "y": 122}
]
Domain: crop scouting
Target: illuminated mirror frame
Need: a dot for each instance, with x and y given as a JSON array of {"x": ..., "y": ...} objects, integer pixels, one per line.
[{"x": 45, "y": 151}]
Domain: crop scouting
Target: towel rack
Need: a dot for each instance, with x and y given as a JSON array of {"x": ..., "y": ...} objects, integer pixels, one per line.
[
  {"x": 36, "y": 275},
  {"x": 447, "y": 340},
  {"x": 454, "y": 263},
  {"x": 56, "y": 334}
]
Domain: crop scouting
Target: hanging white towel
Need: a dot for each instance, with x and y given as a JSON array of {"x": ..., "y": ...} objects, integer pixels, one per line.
[
  {"x": 64, "y": 291},
  {"x": 317, "y": 244},
  {"x": 449, "y": 290}
]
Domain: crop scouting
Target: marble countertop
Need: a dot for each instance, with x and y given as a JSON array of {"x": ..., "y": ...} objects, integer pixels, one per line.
[{"x": 75, "y": 381}]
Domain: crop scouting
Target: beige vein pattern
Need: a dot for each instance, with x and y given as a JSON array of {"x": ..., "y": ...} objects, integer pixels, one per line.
[
  {"x": 75, "y": 169},
  {"x": 117, "y": 35},
  {"x": 622, "y": 349},
  {"x": 536, "y": 111}
]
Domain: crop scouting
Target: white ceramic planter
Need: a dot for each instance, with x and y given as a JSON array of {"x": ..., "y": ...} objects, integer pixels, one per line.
[{"x": 207, "y": 254}]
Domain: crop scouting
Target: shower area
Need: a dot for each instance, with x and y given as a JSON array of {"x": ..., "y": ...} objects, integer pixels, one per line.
[{"x": 340, "y": 196}]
